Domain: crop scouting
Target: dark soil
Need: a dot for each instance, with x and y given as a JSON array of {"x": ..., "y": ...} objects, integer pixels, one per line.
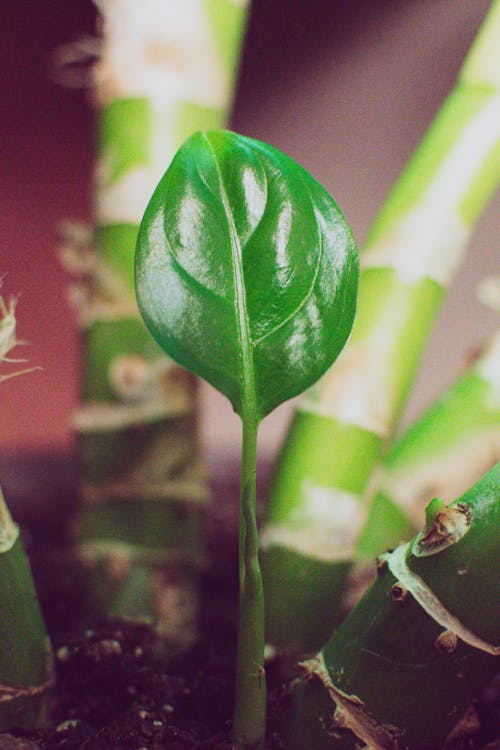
[{"x": 119, "y": 687}]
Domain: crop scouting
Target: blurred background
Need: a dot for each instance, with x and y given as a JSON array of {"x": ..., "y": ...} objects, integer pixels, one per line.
[{"x": 346, "y": 87}]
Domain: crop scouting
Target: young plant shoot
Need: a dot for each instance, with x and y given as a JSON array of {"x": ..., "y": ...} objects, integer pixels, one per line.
[
  {"x": 26, "y": 663},
  {"x": 246, "y": 274}
]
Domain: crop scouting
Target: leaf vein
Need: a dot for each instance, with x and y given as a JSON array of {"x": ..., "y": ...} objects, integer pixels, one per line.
[
  {"x": 249, "y": 404},
  {"x": 182, "y": 271},
  {"x": 309, "y": 293}
]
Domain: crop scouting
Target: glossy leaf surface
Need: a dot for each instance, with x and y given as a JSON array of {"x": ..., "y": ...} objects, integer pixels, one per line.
[{"x": 246, "y": 270}]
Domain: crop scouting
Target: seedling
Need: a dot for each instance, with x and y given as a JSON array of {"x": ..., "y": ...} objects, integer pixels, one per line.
[{"x": 246, "y": 274}]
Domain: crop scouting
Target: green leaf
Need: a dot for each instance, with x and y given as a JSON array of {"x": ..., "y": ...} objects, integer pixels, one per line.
[{"x": 246, "y": 270}]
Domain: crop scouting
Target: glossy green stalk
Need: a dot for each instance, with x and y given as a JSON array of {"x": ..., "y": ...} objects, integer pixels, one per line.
[
  {"x": 317, "y": 504},
  {"x": 165, "y": 71},
  {"x": 448, "y": 448},
  {"x": 423, "y": 642}
]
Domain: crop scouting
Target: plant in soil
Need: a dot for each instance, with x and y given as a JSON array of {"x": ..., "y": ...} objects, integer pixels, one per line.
[{"x": 246, "y": 274}]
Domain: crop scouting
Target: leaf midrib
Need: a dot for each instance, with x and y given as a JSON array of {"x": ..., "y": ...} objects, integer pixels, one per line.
[{"x": 249, "y": 399}]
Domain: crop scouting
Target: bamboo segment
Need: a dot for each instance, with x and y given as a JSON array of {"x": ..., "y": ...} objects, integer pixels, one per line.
[
  {"x": 445, "y": 451},
  {"x": 425, "y": 634},
  {"x": 316, "y": 507},
  {"x": 26, "y": 663},
  {"x": 166, "y": 69},
  {"x": 308, "y": 719}
]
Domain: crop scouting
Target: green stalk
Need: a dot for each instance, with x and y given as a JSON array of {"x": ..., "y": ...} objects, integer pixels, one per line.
[
  {"x": 423, "y": 642},
  {"x": 250, "y": 698},
  {"x": 317, "y": 506},
  {"x": 26, "y": 662},
  {"x": 454, "y": 442},
  {"x": 161, "y": 76}
]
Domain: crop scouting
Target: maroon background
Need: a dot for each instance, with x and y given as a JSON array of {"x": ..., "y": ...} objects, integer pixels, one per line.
[{"x": 347, "y": 88}]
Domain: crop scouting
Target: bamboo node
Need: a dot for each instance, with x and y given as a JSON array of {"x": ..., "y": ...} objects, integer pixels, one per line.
[
  {"x": 103, "y": 416},
  {"x": 325, "y": 526},
  {"x": 446, "y": 642},
  {"x": 426, "y": 598},
  {"x": 382, "y": 565},
  {"x": 447, "y": 527},
  {"x": 14, "y": 692},
  {"x": 348, "y": 395},
  {"x": 189, "y": 493},
  {"x": 129, "y": 375},
  {"x": 135, "y": 380},
  {"x": 98, "y": 292},
  {"x": 399, "y": 593},
  {"x": 158, "y": 50},
  {"x": 349, "y": 710},
  {"x": 97, "y": 552}
]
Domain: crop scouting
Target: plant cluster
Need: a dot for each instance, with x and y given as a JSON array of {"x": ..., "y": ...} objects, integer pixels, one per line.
[{"x": 247, "y": 275}]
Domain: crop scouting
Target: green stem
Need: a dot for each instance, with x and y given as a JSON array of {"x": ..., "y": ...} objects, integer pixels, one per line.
[
  {"x": 143, "y": 484},
  {"x": 425, "y": 634},
  {"x": 250, "y": 702},
  {"x": 26, "y": 662},
  {"x": 440, "y": 454},
  {"x": 342, "y": 423}
]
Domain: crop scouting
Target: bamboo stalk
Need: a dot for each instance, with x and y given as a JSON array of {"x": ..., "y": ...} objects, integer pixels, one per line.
[
  {"x": 422, "y": 643},
  {"x": 26, "y": 662},
  {"x": 165, "y": 70},
  {"x": 316, "y": 507},
  {"x": 454, "y": 442}
]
